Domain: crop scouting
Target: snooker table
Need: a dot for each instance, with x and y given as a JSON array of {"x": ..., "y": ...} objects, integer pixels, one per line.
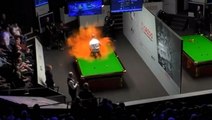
[
  {"x": 197, "y": 55},
  {"x": 101, "y": 73}
]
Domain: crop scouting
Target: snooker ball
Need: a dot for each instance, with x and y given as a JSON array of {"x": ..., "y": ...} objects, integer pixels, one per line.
[
  {"x": 192, "y": 40},
  {"x": 201, "y": 34}
]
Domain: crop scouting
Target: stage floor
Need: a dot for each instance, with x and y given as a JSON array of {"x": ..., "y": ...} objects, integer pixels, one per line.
[{"x": 138, "y": 79}]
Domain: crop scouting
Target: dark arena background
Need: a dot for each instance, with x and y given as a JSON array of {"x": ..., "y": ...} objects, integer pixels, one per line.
[{"x": 152, "y": 63}]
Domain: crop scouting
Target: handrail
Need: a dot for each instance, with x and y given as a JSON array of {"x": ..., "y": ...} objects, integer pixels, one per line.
[
  {"x": 31, "y": 31},
  {"x": 171, "y": 97},
  {"x": 19, "y": 89},
  {"x": 28, "y": 39}
]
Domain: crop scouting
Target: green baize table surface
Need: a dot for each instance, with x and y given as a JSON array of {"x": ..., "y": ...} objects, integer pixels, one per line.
[
  {"x": 198, "y": 47},
  {"x": 100, "y": 66}
]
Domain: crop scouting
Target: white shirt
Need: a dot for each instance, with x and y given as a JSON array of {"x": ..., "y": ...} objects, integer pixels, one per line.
[
  {"x": 16, "y": 31},
  {"x": 94, "y": 44},
  {"x": 72, "y": 84},
  {"x": 7, "y": 38}
]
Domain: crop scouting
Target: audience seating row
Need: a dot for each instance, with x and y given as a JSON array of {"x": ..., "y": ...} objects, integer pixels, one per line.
[{"x": 188, "y": 106}]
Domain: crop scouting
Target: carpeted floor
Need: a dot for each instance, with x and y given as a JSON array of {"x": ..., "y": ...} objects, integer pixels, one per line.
[{"x": 140, "y": 82}]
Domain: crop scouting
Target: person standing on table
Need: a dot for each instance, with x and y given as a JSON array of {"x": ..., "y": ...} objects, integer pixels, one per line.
[
  {"x": 72, "y": 85},
  {"x": 95, "y": 47}
]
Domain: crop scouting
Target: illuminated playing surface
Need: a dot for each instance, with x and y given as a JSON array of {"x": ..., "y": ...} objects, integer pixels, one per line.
[
  {"x": 109, "y": 65},
  {"x": 198, "y": 48}
]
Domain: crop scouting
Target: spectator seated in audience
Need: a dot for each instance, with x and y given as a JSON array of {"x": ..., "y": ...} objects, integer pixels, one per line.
[
  {"x": 7, "y": 39},
  {"x": 89, "y": 101},
  {"x": 5, "y": 42},
  {"x": 3, "y": 83},
  {"x": 77, "y": 109},
  {"x": 106, "y": 108},
  {"x": 19, "y": 45},
  {"x": 36, "y": 113},
  {"x": 23, "y": 67},
  {"x": 16, "y": 32},
  {"x": 87, "y": 96},
  {"x": 2, "y": 52},
  {"x": 16, "y": 59},
  {"x": 86, "y": 93}
]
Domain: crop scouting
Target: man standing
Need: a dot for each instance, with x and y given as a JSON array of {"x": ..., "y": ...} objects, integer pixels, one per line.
[
  {"x": 49, "y": 77},
  {"x": 108, "y": 25},
  {"x": 72, "y": 86},
  {"x": 48, "y": 33},
  {"x": 199, "y": 19}
]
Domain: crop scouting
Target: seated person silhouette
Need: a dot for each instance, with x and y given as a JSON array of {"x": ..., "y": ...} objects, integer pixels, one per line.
[{"x": 95, "y": 47}]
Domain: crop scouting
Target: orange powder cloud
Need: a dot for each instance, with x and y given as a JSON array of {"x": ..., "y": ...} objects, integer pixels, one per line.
[{"x": 79, "y": 43}]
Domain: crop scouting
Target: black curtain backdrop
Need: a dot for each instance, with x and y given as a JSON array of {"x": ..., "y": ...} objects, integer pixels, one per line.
[
  {"x": 5, "y": 8},
  {"x": 180, "y": 6},
  {"x": 54, "y": 6},
  {"x": 66, "y": 6},
  {"x": 21, "y": 12}
]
